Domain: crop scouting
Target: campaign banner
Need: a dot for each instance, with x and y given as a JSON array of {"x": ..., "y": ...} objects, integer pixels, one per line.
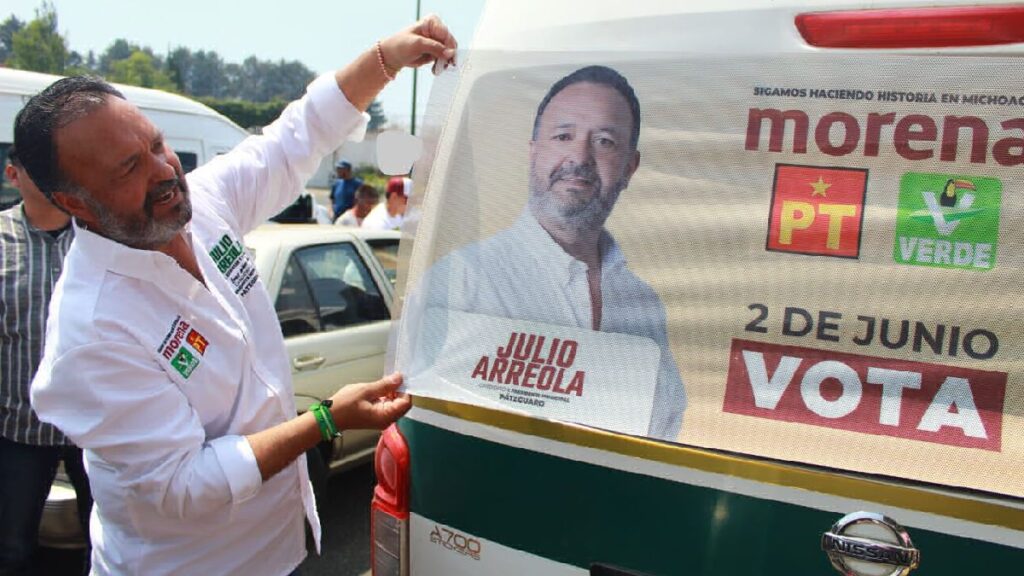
[
  {"x": 824, "y": 250},
  {"x": 558, "y": 372},
  {"x": 928, "y": 402}
]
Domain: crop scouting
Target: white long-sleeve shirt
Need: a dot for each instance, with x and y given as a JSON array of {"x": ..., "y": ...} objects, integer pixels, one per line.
[
  {"x": 159, "y": 378},
  {"x": 523, "y": 274}
]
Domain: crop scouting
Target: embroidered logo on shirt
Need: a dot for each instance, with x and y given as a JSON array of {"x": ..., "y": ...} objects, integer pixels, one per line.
[
  {"x": 235, "y": 264},
  {"x": 183, "y": 346},
  {"x": 197, "y": 341},
  {"x": 185, "y": 362}
]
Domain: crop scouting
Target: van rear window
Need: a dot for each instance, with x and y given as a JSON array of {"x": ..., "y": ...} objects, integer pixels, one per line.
[{"x": 189, "y": 160}]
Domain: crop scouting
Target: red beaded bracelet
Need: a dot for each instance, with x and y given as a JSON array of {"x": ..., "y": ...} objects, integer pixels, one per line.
[{"x": 383, "y": 67}]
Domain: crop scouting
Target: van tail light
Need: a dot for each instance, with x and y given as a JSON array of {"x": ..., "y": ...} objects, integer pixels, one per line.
[
  {"x": 935, "y": 27},
  {"x": 389, "y": 511}
]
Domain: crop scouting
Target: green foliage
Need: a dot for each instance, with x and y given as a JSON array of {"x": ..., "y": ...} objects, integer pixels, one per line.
[
  {"x": 244, "y": 113},
  {"x": 139, "y": 69},
  {"x": 370, "y": 175},
  {"x": 38, "y": 46},
  {"x": 252, "y": 93},
  {"x": 7, "y": 29}
]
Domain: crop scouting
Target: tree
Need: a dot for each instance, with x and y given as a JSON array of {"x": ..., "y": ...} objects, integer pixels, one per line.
[
  {"x": 377, "y": 118},
  {"x": 119, "y": 49},
  {"x": 7, "y": 29},
  {"x": 39, "y": 46},
  {"x": 248, "y": 115},
  {"x": 139, "y": 69}
]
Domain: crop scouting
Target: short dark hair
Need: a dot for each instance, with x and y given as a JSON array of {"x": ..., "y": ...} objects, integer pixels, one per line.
[
  {"x": 12, "y": 157},
  {"x": 595, "y": 75},
  {"x": 368, "y": 191},
  {"x": 59, "y": 104}
]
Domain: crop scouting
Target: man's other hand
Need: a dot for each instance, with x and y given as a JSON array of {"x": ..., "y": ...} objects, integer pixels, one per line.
[{"x": 370, "y": 405}]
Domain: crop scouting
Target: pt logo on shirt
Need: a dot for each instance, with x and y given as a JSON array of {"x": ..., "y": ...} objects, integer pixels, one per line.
[
  {"x": 183, "y": 346},
  {"x": 235, "y": 264}
]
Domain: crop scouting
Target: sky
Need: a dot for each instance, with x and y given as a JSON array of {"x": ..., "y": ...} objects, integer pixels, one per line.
[{"x": 322, "y": 34}]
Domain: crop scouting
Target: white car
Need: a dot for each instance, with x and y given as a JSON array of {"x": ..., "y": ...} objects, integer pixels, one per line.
[{"x": 333, "y": 300}]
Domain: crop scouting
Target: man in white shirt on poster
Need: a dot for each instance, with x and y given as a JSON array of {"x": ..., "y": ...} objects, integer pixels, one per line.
[
  {"x": 164, "y": 359},
  {"x": 557, "y": 264}
]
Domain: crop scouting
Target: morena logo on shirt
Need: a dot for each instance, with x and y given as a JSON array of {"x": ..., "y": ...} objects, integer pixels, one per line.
[{"x": 183, "y": 346}]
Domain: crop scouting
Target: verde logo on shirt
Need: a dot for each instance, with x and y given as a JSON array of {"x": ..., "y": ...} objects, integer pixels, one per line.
[
  {"x": 948, "y": 221},
  {"x": 185, "y": 362}
]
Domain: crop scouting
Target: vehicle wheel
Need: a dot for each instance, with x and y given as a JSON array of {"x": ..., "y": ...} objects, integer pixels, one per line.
[{"x": 317, "y": 475}]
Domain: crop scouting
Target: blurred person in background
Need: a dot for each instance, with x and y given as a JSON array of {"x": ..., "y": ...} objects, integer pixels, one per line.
[
  {"x": 366, "y": 198},
  {"x": 343, "y": 193},
  {"x": 389, "y": 214}
]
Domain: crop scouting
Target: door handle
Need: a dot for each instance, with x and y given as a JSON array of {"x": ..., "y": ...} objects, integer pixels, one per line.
[{"x": 307, "y": 362}]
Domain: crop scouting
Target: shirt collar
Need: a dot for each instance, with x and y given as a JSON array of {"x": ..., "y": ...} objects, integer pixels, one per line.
[
  {"x": 542, "y": 247},
  {"x": 20, "y": 216},
  {"x": 121, "y": 259}
]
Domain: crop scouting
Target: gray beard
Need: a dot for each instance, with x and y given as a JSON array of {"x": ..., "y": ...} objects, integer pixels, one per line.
[
  {"x": 579, "y": 217},
  {"x": 141, "y": 233}
]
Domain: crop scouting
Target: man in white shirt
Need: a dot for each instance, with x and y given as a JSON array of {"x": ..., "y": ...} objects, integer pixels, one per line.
[
  {"x": 367, "y": 198},
  {"x": 389, "y": 214},
  {"x": 558, "y": 264},
  {"x": 164, "y": 359}
]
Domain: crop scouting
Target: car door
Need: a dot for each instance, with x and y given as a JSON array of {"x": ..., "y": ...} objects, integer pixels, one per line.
[{"x": 335, "y": 317}]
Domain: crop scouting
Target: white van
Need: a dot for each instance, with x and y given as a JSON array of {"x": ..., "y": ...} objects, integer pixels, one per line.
[
  {"x": 820, "y": 242},
  {"x": 196, "y": 132}
]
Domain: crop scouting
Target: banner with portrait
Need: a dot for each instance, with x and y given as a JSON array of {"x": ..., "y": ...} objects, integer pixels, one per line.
[{"x": 813, "y": 258}]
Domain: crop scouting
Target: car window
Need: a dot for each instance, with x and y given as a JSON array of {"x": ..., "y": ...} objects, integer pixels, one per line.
[
  {"x": 189, "y": 160},
  {"x": 386, "y": 251},
  {"x": 344, "y": 292},
  {"x": 295, "y": 308}
]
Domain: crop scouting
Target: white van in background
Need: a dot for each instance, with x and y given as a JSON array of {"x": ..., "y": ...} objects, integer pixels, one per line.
[{"x": 196, "y": 132}]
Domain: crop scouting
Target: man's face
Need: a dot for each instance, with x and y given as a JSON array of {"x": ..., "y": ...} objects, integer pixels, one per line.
[
  {"x": 344, "y": 173},
  {"x": 134, "y": 188},
  {"x": 581, "y": 158},
  {"x": 20, "y": 180},
  {"x": 364, "y": 203},
  {"x": 397, "y": 203}
]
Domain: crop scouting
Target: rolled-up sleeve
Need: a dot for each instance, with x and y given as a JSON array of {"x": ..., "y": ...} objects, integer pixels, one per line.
[{"x": 113, "y": 399}]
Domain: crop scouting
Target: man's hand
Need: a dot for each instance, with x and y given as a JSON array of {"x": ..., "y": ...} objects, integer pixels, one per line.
[
  {"x": 369, "y": 405},
  {"x": 423, "y": 42}
]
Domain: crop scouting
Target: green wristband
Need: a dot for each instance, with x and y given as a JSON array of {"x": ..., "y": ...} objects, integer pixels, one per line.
[{"x": 324, "y": 420}]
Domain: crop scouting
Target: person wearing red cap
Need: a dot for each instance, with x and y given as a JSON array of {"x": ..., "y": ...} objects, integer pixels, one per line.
[{"x": 390, "y": 214}]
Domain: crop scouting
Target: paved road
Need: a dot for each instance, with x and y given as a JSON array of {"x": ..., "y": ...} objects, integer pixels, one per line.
[{"x": 346, "y": 524}]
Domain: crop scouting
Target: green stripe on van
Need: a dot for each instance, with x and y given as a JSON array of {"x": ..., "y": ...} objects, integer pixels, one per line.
[{"x": 579, "y": 513}]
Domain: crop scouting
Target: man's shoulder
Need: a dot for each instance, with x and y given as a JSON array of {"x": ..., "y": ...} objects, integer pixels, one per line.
[{"x": 9, "y": 216}]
